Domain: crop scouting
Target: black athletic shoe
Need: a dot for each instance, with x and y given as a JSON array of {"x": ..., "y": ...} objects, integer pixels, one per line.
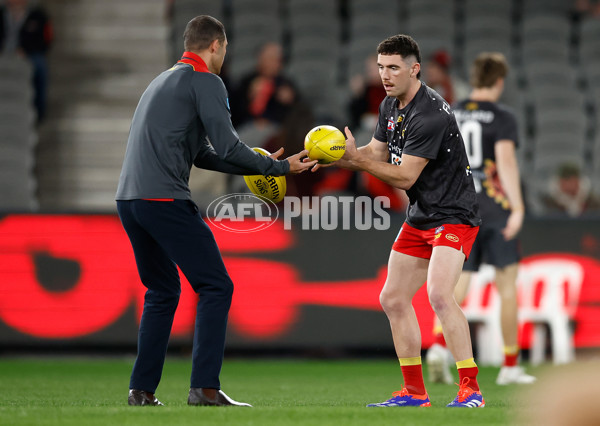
[{"x": 138, "y": 397}]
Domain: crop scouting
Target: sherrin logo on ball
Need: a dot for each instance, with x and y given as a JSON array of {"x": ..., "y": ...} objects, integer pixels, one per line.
[
  {"x": 270, "y": 187},
  {"x": 325, "y": 144}
]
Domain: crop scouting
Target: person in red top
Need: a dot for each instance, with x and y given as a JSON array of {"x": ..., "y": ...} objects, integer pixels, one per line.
[
  {"x": 438, "y": 76},
  {"x": 265, "y": 96},
  {"x": 417, "y": 147}
]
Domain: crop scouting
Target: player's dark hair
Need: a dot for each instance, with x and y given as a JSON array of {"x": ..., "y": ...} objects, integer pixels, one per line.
[
  {"x": 401, "y": 44},
  {"x": 201, "y": 31},
  {"x": 487, "y": 68}
]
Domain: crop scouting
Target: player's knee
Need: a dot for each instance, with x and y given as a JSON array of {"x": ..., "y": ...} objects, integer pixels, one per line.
[
  {"x": 439, "y": 301},
  {"x": 392, "y": 303}
]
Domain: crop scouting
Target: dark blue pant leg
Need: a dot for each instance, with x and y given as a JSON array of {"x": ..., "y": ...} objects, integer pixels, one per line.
[
  {"x": 190, "y": 243},
  {"x": 159, "y": 274}
]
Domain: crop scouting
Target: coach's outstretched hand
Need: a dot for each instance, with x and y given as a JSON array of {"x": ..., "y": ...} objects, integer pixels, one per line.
[{"x": 298, "y": 162}]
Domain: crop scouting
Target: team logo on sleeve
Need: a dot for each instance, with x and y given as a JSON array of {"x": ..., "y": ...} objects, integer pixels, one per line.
[{"x": 391, "y": 125}]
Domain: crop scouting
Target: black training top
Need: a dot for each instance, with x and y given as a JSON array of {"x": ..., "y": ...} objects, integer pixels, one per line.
[
  {"x": 182, "y": 110},
  {"x": 482, "y": 124},
  {"x": 426, "y": 127}
]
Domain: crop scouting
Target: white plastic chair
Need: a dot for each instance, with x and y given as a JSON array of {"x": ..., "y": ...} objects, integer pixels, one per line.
[{"x": 561, "y": 280}]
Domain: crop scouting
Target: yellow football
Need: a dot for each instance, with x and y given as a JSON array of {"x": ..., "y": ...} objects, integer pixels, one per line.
[
  {"x": 325, "y": 144},
  {"x": 270, "y": 187}
]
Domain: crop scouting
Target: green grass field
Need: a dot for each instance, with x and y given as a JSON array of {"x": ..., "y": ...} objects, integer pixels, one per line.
[{"x": 93, "y": 391}]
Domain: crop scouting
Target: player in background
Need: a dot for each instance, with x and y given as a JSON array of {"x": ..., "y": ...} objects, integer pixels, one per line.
[
  {"x": 489, "y": 130},
  {"x": 417, "y": 147}
]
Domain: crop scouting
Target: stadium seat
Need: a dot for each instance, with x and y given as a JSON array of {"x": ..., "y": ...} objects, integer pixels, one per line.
[
  {"x": 298, "y": 26},
  {"x": 486, "y": 8},
  {"x": 541, "y": 289},
  {"x": 547, "y": 28},
  {"x": 358, "y": 8},
  {"x": 250, "y": 32},
  {"x": 589, "y": 54},
  {"x": 550, "y": 121},
  {"x": 241, "y": 8},
  {"x": 558, "y": 8},
  {"x": 560, "y": 282},
  {"x": 18, "y": 136},
  {"x": 324, "y": 8},
  {"x": 432, "y": 33},
  {"x": 595, "y": 172},
  {"x": 542, "y": 50},
  {"x": 424, "y": 8},
  {"x": 185, "y": 10}
]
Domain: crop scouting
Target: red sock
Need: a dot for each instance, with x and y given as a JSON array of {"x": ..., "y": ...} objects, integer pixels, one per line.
[
  {"x": 511, "y": 355},
  {"x": 510, "y": 360},
  {"x": 413, "y": 379},
  {"x": 471, "y": 373}
]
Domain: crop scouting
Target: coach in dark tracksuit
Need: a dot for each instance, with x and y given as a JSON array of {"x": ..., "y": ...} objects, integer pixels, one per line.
[{"x": 179, "y": 110}]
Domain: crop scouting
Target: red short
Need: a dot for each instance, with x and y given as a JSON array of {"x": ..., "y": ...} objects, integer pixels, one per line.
[{"x": 418, "y": 243}]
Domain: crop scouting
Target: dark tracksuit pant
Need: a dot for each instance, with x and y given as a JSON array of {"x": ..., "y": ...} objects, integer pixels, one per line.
[{"x": 164, "y": 234}]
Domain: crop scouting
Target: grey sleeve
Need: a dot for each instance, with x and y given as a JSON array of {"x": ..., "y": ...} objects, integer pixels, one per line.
[
  {"x": 212, "y": 105},
  {"x": 208, "y": 159}
]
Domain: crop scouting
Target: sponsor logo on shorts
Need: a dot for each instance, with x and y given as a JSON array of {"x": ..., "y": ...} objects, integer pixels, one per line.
[{"x": 452, "y": 238}]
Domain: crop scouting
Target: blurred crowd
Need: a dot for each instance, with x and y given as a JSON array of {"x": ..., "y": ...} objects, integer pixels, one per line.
[{"x": 269, "y": 108}]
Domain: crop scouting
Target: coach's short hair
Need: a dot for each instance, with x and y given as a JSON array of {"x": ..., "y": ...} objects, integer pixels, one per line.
[
  {"x": 201, "y": 31},
  {"x": 487, "y": 68},
  {"x": 401, "y": 44}
]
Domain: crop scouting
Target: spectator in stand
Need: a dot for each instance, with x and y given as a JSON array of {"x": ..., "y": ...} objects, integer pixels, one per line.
[
  {"x": 265, "y": 96},
  {"x": 25, "y": 29},
  {"x": 588, "y": 8},
  {"x": 367, "y": 94},
  {"x": 439, "y": 78},
  {"x": 570, "y": 193}
]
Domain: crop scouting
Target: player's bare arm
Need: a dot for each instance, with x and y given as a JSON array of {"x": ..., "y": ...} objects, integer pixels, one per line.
[
  {"x": 402, "y": 176},
  {"x": 508, "y": 172},
  {"x": 375, "y": 150}
]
